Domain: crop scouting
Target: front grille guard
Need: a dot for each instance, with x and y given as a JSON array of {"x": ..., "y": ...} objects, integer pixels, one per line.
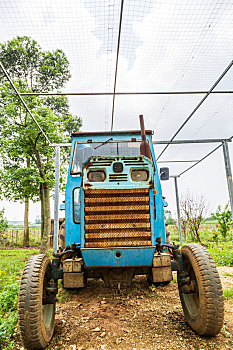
[{"x": 117, "y": 218}]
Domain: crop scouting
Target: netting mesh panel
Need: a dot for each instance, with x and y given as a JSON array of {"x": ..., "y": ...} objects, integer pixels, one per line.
[
  {"x": 163, "y": 114},
  {"x": 94, "y": 110},
  {"x": 174, "y": 44},
  {"x": 165, "y": 45},
  {"x": 85, "y": 30}
]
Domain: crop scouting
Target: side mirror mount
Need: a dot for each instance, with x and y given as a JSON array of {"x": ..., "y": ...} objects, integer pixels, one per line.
[{"x": 164, "y": 173}]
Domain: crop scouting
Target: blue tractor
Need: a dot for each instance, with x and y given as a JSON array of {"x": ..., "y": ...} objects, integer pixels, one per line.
[{"x": 114, "y": 230}]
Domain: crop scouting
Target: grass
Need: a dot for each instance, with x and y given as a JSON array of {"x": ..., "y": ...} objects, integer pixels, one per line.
[
  {"x": 223, "y": 256},
  {"x": 12, "y": 263},
  {"x": 228, "y": 293},
  {"x": 221, "y": 253}
]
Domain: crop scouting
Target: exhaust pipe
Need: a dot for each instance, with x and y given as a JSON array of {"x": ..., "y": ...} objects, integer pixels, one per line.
[{"x": 144, "y": 146}]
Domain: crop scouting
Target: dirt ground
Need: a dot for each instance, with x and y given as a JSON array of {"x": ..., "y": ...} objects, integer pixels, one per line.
[{"x": 139, "y": 318}]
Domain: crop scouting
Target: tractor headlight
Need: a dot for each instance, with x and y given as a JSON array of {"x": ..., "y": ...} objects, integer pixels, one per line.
[
  {"x": 96, "y": 176},
  {"x": 139, "y": 175}
]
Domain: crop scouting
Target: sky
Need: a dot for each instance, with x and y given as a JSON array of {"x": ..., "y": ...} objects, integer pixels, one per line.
[{"x": 166, "y": 45}]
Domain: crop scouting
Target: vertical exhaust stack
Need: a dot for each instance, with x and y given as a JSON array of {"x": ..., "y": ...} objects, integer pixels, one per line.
[{"x": 144, "y": 147}]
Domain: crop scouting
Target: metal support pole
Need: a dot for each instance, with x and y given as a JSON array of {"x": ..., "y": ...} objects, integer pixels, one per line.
[
  {"x": 178, "y": 210},
  {"x": 56, "y": 200},
  {"x": 228, "y": 172}
]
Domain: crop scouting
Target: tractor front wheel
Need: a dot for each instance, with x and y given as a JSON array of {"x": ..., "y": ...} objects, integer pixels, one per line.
[
  {"x": 204, "y": 306},
  {"x": 36, "y": 315}
]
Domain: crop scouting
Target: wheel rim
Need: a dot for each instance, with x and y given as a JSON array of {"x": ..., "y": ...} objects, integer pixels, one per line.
[
  {"x": 47, "y": 309},
  {"x": 192, "y": 300}
]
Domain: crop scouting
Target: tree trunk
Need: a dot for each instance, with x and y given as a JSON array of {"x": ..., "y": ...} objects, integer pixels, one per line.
[
  {"x": 26, "y": 224},
  {"x": 47, "y": 219},
  {"x": 197, "y": 235},
  {"x": 42, "y": 209},
  {"x": 26, "y": 214}
]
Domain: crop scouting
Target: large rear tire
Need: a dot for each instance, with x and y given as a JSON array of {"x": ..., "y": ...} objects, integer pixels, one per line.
[
  {"x": 204, "y": 308},
  {"x": 36, "y": 317}
]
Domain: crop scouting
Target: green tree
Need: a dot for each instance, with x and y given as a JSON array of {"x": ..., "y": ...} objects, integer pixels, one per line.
[
  {"x": 3, "y": 225},
  {"x": 3, "y": 221},
  {"x": 170, "y": 221},
  {"x": 27, "y": 160},
  {"x": 24, "y": 59},
  {"x": 22, "y": 140},
  {"x": 224, "y": 219}
]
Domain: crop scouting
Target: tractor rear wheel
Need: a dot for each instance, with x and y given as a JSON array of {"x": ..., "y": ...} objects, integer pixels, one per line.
[
  {"x": 36, "y": 316},
  {"x": 203, "y": 308}
]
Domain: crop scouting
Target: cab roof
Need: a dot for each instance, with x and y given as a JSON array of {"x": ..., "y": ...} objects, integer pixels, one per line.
[{"x": 110, "y": 133}]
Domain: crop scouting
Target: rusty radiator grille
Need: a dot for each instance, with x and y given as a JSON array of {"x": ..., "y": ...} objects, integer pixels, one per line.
[{"x": 116, "y": 218}]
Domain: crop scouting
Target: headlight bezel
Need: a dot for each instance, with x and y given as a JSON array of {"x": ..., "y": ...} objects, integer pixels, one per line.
[
  {"x": 145, "y": 171},
  {"x": 93, "y": 173}
]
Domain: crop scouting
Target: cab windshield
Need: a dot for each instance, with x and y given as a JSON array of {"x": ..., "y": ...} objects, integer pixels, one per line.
[{"x": 82, "y": 151}]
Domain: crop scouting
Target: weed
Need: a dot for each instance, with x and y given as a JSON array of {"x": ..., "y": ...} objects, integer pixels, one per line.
[
  {"x": 63, "y": 295},
  {"x": 212, "y": 345},
  {"x": 153, "y": 288},
  {"x": 228, "y": 274},
  {"x": 174, "y": 280}
]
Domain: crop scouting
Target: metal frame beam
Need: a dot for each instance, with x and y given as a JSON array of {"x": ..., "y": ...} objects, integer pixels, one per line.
[
  {"x": 117, "y": 57},
  {"x": 228, "y": 172},
  {"x": 23, "y": 102},
  {"x": 199, "y": 161},
  {"x": 56, "y": 200},
  {"x": 199, "y": 105},
  {"x": 124, "y": 93},
  {"x": 177, "y": 161},
  {"x": 178, "y": 209},
  {"x": 179, "y": 142}
]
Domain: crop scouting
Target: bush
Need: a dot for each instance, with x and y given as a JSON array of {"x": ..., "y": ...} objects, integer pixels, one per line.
[{"x": 224, "y": 219}]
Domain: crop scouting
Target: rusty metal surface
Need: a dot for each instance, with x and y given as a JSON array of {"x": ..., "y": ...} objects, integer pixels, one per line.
[
  {"x": 118, "y": 243},
  {"x": 118, "y": 235},
  {"x": 74, "y": 280},
  {"x": 116, "y": 226},
  {"x": 120, "y": 200},
  {"x": 101, "y": 192},
  {"x": 97, "y": 209},
  {"x": 117, "y": 218}
]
